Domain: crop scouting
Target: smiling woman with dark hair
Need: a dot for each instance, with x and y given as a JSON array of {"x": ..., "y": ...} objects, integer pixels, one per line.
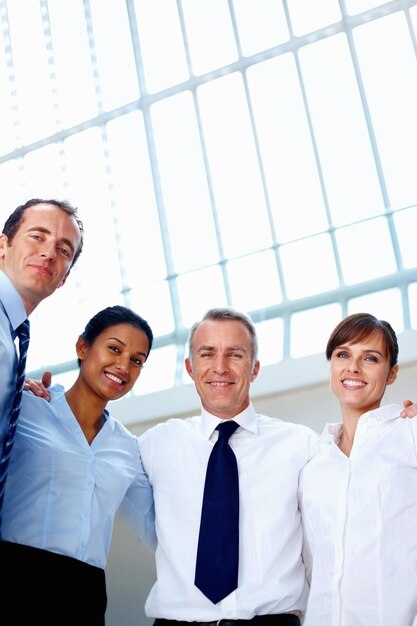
[{"x": 71, "y": 468}]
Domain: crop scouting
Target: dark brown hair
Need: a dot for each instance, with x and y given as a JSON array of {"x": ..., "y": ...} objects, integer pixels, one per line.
[
  {"x": 359, "y": 326},
  {"x": 14, "y": 220}
]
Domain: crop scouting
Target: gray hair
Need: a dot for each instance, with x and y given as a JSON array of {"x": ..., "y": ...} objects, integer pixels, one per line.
[{"x": 225, "y": 314}]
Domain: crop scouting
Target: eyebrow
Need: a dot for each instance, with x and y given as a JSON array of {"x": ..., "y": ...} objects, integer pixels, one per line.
[
  {"x": 234, "y": 347},
  {"x": 42, "y": 229},
  {"x": 123, "y": 344},
  {"x": 343, "y": 347}
]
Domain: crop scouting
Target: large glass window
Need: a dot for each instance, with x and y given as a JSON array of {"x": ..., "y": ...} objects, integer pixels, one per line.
[{"x": 254, "y": 153}]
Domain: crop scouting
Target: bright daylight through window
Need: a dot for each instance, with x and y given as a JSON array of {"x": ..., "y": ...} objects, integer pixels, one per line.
[{"x": 260, "y": 154}]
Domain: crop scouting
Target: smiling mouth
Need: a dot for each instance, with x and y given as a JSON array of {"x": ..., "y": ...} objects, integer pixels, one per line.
[
  {"x": 220, "y": 384},
  {"x": 353, "y": 384},
  {"x": 114, "y": 378},
  {"x": 41, "y": 268}
]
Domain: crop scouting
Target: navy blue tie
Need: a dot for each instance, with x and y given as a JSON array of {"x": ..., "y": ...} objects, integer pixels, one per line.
[
  {"x": 218, "y": 544},
  {"x": 8, "y": 439}
]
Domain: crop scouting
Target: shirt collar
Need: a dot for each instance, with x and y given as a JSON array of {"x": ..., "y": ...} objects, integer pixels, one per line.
[
  {"x": 246, "y": 419},
  {"x": 384, "y": 413},
  {"x": 11, "y": 301}
]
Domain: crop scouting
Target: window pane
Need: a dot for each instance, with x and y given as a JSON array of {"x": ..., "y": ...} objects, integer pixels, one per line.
[
  {"x": 66, "y": 379},
  {"x": 134, "y": 204},
  {"x": 200, "y": 291},
  {"x": 31, "y": 72},
  {"x": 385, "y": 305},
  {"x": 345, "y": 153},
  {"x": 309, "y": 267},
  {"x": 412, "y": 295},
  {"x": 89, "y": 186},
  {"x": 388, "y": 63},
  {"x": 48, "y": 344},
  {"x": 153, "y": 302},
  {"x": 184, "y": 183},
  {"x": 206, "y": 23},
  {"x": 406, "y": 227},
  {"x": 113, "y": 46},
  {"x": 262, "y": 24},
  {"x": 12, "y": 188},
  {"x": 365, "y": 251},
  {"x": 254, "y": 281},
  {"x": 305, "y": 16},
  {"x": 162, "y": 47},
  {"x": 44, "y": 172},
  {"x": 271, "y": 341},
  {"x": 234, "y": 167},
  {"x": 310, "y": 330},
  {"x": 8, "y": 96},
  {"x": 358, "y": 6},
  {"x": 74, "y": 73},
  {"x": 286, "y": 148},
  {"x": 159, "y": 371}
]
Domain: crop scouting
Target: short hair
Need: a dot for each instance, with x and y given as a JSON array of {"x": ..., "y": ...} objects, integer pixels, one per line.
[
  {"x": 225, "y": 314},
  {"x": 111, "y": 316},
  {"x": 14, "y": 220},
  {"x": 359, "y": 326}
]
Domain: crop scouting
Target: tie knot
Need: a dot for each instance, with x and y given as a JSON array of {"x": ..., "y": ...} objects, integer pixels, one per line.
[
  {"x": 226, "y": 429},
  {"x": 23, "y": 330}
]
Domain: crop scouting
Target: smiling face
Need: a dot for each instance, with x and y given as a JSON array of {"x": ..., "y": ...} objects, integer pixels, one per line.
[
  {"x": 359, "y": 373},
  {"x": 38, "y": 258},
  {"x": 111, "y": 365},
  {"x": 221, "y": 366}
]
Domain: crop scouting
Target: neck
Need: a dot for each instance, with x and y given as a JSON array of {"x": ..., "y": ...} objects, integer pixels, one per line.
[
  {"x": 347, "y": 435},
  {"x": 86, "y": 407}
]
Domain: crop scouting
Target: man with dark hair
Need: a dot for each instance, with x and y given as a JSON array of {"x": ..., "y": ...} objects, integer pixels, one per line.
[{"x": 40, "y": 242}]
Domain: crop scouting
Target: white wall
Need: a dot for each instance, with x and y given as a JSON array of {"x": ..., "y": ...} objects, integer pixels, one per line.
[{"x": 130, "y": 571}]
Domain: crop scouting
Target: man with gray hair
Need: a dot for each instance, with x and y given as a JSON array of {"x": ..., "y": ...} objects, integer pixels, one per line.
[{"x": 258, "y": 575}]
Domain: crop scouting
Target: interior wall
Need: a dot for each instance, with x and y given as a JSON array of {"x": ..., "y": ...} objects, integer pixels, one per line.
[{"x": 130, "y": 571}]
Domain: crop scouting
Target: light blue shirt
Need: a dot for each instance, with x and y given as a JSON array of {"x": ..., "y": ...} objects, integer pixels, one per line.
[
  {"x": 12, "y": 314},
  {"x": 62, "y": 494}
]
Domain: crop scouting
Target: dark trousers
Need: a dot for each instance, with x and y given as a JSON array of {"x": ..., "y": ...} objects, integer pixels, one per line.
[
  {"x": 279, "y": 619},
  {"x": 49, "y": 589}
]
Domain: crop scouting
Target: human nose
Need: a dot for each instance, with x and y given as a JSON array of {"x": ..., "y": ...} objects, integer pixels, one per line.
[
  {"x": 48, "y": 250},
  {"x": 123, "y": 363},
  {"x": 354, "y": 365},
  {"x": 220, "y": 365}
]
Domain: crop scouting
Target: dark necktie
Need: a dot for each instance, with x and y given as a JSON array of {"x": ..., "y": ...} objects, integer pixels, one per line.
[
  {"x": 218, "y": 543},
  {"x": 7, "y": 444}
]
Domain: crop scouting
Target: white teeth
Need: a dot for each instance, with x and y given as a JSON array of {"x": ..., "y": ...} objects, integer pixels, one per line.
[
  {"x": 115, "y": 378},
  {"x": 219, "y": 384},
  {"x": 353, "y": 383}
]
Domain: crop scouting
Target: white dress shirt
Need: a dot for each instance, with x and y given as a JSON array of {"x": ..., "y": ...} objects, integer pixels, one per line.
[
  {"x": 12, "y": 314},
  {"x": 270, "y": 455},
  {"x": 360, "y": 524},
  {"x": 62, "y": 494}
]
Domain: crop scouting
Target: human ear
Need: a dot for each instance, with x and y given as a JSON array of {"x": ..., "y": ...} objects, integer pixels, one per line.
[
  {"x": 189, "y": 367},
  {"x": 81, "y": 348},
  {"x": 392, "y": 376},
  {"x": 255, "y": 371},
  {"x": 3, "y": 244}
]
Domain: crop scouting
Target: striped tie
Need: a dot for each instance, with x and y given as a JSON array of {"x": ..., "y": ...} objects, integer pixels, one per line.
[{"x": 23, "y": 334}]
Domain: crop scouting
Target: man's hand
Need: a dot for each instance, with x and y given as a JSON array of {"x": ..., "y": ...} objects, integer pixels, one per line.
[
  {"x": 39, "y": 387},
  {"x": 410, "y": 409}
]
